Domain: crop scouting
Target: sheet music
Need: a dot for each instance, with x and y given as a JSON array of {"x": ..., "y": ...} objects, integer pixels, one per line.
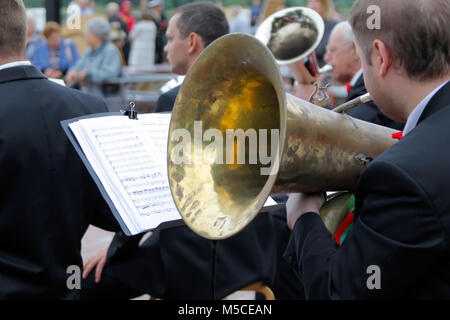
[
  {"x": 156, "y": 125},
  {"x": 125, "y": 162}
]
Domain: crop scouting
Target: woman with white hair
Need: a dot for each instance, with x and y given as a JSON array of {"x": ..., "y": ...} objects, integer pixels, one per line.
[{"x": 101, "y": 60}]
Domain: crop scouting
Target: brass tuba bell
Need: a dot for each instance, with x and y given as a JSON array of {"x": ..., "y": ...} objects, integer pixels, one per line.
[
  {"x": 293, "y": 34},
  {"x": 236, "y": 84}
]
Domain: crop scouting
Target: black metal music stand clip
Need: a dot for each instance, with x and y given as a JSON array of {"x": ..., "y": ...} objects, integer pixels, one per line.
[{"x": 131, "y": 111}]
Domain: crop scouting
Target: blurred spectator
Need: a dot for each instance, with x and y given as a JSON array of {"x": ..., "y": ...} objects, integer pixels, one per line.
[
  {"x": 161, "y": 22},
  {"x": 56, "y": 55},
  {"x": 126, "y": 9},
  {"x": 118, "y": 28},
  {"x": 256, "y": 8},
  {"x": 327, "y": 11},
  {"x": 142, "y": 39},
  {"x": 92, "y": 5},
  {"x": 101, "y": 60},
  {"x": 84, "y": 6},
  {"x": 126, "y": 16},
  {"x": 33, "y": 39},
  {"x": 113, "y": 13},
  {"x": 240, "y": 20}
]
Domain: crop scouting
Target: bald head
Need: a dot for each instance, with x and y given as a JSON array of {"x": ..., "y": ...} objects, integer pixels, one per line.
[
  {"x": 13, "y": 29},
  {"x": 416, "y": 32}
]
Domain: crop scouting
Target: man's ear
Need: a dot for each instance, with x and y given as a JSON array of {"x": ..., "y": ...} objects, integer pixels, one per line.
[
  {"x": 382, "y": 58},
  {"x": 195, "y": 43},
  {"x": 354, "y": 52}
]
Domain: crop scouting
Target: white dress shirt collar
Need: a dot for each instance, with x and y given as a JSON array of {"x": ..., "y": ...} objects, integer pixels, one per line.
[
  {"x": 414, "y": 116},
  {"x": 356, "y": 77},
  {"x": 15, "y": 64}
]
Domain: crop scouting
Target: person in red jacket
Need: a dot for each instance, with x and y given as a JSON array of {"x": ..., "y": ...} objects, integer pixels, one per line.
[{"x": 126, "y": 8}]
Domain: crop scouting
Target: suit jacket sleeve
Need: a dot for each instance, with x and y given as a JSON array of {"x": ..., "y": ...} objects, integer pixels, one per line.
[
  {"x": 122, "y": 245},
  {"x": 395, "y": 229},
  {"x": 104, "y": 218}
]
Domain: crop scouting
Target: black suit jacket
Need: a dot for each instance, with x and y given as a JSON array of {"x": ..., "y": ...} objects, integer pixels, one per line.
[
  {"x": 47, "y": 198},
  {"x": 166, "y": 101},
  {"x": 369, "y": 111},
  {"x": 402, "y": 223}
]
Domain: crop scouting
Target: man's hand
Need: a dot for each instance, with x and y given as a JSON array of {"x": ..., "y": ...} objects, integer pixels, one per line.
[
  {"x": 300, "y": 203},
  {"x": 82, "y": 75},
  {"x": 53, "y": 73},
  {"x": 98, "y": 260},
  {"x": 71, "y": 78}
]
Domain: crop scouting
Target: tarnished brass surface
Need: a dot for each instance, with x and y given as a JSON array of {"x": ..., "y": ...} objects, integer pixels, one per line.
[
  {"x": 335, "y": 210},
  {"x": 321, "y": 147},
  {"x": 236, "y": 83}
]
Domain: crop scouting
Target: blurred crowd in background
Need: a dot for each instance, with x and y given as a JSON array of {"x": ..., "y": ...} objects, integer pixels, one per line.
[{"x": 121, "y": 34}]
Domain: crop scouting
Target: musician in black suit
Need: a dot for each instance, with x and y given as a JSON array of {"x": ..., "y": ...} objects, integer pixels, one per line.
[
  {"x": 399, "y": 244},
  {"x": 341, "y": 54},
  {"x": 166, "y": 101},
  {"x": 182, "y": 48},
  {"x": 174, "y": 263},
  {"x": 47, "y": 197}
]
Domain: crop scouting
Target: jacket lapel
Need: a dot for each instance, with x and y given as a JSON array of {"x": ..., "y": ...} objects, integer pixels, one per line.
[{"x": 439, "y": 101}]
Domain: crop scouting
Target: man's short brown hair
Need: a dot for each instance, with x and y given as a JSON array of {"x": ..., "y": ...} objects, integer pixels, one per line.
[
  {"x": 13, "y": 28},
  {"x": 203, "y": 18},
  {"x": 416, "y": 32}
]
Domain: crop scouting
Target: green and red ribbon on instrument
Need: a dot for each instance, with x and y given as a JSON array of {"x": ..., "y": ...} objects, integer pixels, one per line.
[{"x": 347, "y": 224}]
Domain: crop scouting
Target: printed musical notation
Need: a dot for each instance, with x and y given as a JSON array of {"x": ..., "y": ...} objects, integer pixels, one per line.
[
  {"x": 122, "y": 153},
  {"x": 157, "y": 127}
]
